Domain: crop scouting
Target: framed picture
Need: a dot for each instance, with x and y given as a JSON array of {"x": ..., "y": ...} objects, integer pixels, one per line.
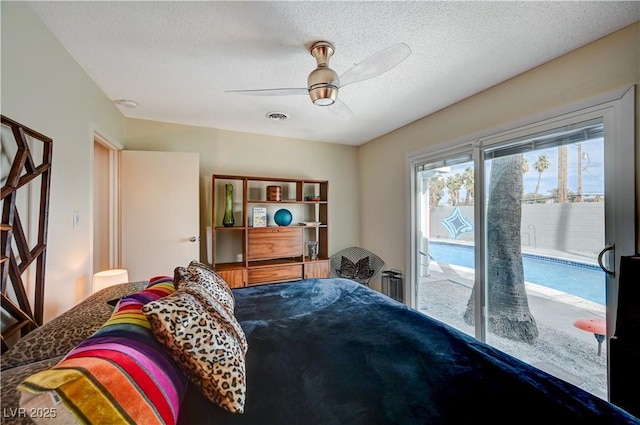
[{"x": 260, "y": 217}]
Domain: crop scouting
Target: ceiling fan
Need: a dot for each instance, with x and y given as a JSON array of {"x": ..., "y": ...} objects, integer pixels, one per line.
[{"x": 323, "y": 82}]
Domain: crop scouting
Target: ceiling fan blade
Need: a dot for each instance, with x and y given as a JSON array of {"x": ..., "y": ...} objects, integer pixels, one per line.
[
  {"x": 341, "y": 110},
  {"x": 375, "y": 64},
  {"x": 272, "y": 92}
]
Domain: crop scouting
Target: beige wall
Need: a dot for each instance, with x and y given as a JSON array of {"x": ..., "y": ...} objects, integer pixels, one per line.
[
  {"x": 45, "y": 89},
  {"x": 609, "y": 64},
  {"x": 228, "y": 152}
]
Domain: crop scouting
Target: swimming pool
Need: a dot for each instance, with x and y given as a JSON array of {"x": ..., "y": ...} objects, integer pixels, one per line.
[{"x": 582, "y": 280}]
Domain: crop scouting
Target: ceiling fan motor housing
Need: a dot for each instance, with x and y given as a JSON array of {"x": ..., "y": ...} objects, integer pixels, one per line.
[
  {"x": 323, "y": 81},
  {"x": 322, "y": 86}
]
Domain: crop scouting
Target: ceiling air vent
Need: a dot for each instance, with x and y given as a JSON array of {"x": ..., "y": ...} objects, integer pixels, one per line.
[{"x": 277, "y": 116}]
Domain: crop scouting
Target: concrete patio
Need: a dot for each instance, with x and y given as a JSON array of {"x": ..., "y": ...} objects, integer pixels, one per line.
[{"x": 561, "y": 349}]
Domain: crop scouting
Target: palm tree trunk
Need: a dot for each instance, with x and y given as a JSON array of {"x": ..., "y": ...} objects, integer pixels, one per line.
[{"x": 508, "y": 307}]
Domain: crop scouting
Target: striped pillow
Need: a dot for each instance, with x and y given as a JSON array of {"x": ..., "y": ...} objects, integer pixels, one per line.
[{"x": 120, "y": 374}]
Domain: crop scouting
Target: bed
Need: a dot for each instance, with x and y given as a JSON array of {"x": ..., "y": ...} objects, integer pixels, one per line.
[{"x": 316, "y": 351}]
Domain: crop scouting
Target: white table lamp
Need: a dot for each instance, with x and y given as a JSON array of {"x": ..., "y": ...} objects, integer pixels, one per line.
[{"x": 108, "y": 278}]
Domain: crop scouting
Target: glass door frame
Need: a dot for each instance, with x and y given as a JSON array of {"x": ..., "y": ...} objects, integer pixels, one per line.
[{"x": 617, "y": 111}]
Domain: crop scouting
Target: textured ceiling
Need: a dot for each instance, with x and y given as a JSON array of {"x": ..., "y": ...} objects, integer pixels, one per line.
[{"x": 176, "y": 59}]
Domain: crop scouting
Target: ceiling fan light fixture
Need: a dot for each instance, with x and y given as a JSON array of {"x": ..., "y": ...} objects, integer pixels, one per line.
[{"x": 323, "y": 94}]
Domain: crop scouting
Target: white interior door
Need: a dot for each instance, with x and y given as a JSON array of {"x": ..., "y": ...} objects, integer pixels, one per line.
[{"x": 160, "y": 212}]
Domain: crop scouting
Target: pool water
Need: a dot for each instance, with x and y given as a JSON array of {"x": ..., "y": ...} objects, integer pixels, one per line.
[{"x": 586, "y": 281}]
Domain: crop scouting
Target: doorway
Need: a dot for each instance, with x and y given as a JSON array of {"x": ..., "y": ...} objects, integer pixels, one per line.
[{"x": 105, "y": 216}]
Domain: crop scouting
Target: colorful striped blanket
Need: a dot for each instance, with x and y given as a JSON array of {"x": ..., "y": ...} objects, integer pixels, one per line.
[{"x": 120, "y": 374}]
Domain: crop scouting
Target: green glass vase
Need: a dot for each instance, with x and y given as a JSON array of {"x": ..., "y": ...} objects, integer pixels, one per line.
[{"x": 227, "y": 220}]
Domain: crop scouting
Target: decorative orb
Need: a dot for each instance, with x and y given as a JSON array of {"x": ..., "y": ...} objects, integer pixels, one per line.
[{"x": 283, "y": 217}]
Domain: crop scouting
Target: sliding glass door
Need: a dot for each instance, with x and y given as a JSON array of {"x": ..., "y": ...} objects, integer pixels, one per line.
[
  {"x": 544, "y": 211},
  {"x": 445, "y": 238},
  {"x": 507, "y": 235}
]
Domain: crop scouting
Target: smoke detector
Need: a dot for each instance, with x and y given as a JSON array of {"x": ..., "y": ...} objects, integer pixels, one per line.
[{"x": 126, "y": 103}]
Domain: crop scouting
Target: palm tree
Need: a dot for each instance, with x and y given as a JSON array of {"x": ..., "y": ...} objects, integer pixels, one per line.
[
  {"x": 525, "y": 170},
  {"x": 540, "y": 165},
  {"x": 454, "y": 183},
  {"x": 436, "y": 188},
  {"x": 525, "y": 165},
  {"x": 467, "y": 183},
  {"x": 507, "y": 304}
]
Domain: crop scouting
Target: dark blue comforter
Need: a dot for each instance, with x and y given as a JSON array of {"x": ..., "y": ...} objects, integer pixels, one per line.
[{"x": 332, "y": 351}]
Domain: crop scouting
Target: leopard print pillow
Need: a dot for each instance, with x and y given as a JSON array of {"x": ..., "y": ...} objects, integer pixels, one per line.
[
  {"x": 209, "y": 279},
  {"x": 210, "y": 350},
  {"x": 216, "y": 310}
]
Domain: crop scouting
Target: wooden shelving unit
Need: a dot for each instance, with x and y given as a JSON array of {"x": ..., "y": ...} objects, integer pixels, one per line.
[{"x": 245, "y": 255}]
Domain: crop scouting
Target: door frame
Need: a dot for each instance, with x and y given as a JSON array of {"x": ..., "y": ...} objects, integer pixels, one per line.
[{"x": 113, "y": 147}]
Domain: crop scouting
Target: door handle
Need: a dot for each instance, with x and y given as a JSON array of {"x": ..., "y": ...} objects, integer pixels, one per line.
[
  {"x": 606, "y": 270},
  {"x": 193, "y": 239}
]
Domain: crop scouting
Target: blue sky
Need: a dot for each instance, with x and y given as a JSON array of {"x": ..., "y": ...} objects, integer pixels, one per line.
[{"x": 592, "y": 169}]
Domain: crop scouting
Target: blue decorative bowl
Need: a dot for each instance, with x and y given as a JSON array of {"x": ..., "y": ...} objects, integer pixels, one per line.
[{"x": 283, "y": 217}]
